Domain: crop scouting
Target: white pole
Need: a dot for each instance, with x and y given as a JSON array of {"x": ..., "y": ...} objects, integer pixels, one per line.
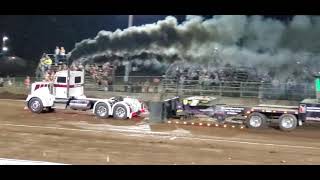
[
  {"x": 130, "y": 20},
  {"x": 128, "y": 64},
  {"x": 68, "y": 78}
]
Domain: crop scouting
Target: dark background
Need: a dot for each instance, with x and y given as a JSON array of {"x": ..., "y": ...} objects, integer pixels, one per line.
[{"x": 32, "y": 35}]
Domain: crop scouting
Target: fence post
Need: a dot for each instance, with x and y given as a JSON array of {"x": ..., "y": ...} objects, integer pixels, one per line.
[{"x": 220, "y": 88}]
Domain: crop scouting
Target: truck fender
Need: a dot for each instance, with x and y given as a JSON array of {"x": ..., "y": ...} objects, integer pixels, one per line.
[
  {"x": 44, "y": 95},
  {"x": 46, "y": 100},
  {"x": 129, "y": 115},
  {"x": 103, "y": 101}
]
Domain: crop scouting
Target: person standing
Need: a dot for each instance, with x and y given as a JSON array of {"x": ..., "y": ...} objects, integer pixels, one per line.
[
  {"x": 56, "y": 55},
  {"x": 42, "y": 64},
  {"x": 27, "y": 84},
  {"x": 63, "y": 53},
  {"x": 48, "y": 63}
]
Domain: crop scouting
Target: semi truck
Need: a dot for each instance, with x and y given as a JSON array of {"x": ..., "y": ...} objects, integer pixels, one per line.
[
  {"x": 66, "y": 91},
  {"x": 286, "y": 117}
]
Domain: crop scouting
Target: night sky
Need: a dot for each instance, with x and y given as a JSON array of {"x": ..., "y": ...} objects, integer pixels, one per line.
[{"x": 31, "y": 35}]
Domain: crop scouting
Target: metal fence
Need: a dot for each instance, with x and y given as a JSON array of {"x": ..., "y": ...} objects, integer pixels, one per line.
[
  {"x": 281, "y": 91},
  {"x": 157, "y": 84}
]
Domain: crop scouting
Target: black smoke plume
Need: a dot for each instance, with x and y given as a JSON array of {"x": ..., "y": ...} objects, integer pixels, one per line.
[{"x": 284, "y": 50}]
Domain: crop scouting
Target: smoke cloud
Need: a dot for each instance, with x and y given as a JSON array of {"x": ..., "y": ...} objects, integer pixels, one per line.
[{"x": 281, "y": 49}]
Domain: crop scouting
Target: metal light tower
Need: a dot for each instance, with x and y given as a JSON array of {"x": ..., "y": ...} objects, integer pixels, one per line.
[{"x": 128, "y": 63}]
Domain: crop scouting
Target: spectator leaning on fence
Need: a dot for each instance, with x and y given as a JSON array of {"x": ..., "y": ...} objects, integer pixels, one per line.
[{"x": 27, "y": 84}]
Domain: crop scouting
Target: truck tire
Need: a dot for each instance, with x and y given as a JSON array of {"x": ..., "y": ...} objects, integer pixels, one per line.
[
  {"x": 220, "y": 118},
  {"x": 256, "y": 120},
  {"x": 288, "y": 122},
  {"x": 35, "y": 105},
  {"x": 101, "y": 110},
  {"x": 120, "y": 112}
]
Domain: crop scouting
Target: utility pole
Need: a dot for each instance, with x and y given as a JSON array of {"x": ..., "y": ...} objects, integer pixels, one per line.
[{"x": 128, "y": 63}]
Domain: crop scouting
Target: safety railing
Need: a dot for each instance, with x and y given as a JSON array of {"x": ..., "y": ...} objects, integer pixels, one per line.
[{"x": 157, "y": 84}]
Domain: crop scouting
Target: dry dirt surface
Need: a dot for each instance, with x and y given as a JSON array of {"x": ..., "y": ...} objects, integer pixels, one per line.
[
  {"x": 76, "y": 137},
  {"x": 8, "y": 95}
]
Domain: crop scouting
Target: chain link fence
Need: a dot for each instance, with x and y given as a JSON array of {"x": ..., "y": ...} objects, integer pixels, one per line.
[{"x": 159, "y": 84}]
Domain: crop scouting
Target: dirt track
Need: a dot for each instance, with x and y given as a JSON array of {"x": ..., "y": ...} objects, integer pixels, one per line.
[{"x": 78, "y": 138}]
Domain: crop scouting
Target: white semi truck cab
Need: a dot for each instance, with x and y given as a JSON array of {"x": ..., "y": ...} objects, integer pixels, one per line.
[{"x": 67, "y": 89}]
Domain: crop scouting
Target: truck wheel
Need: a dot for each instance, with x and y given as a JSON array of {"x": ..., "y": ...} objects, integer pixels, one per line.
[
  {"x": 287, "y": 122},
  {"x": 101, "y": 110},
  {"x": 220, "y": 118},
  {"x": 35, "y": 105},
  {"x": 120, "y": 112},
  {"x": 257, "y": 120}
]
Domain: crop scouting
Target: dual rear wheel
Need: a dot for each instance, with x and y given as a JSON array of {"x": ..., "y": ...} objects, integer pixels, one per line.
[
  {"x": 286, "y": 122},
  {"x": 119, "y": 112}
]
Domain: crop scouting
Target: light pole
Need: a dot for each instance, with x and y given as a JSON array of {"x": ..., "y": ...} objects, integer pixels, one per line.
[
  {"x": 130, "y": 20},
  {"x": 4, "y": 48},
  {"x": 128, "y": 63}
]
